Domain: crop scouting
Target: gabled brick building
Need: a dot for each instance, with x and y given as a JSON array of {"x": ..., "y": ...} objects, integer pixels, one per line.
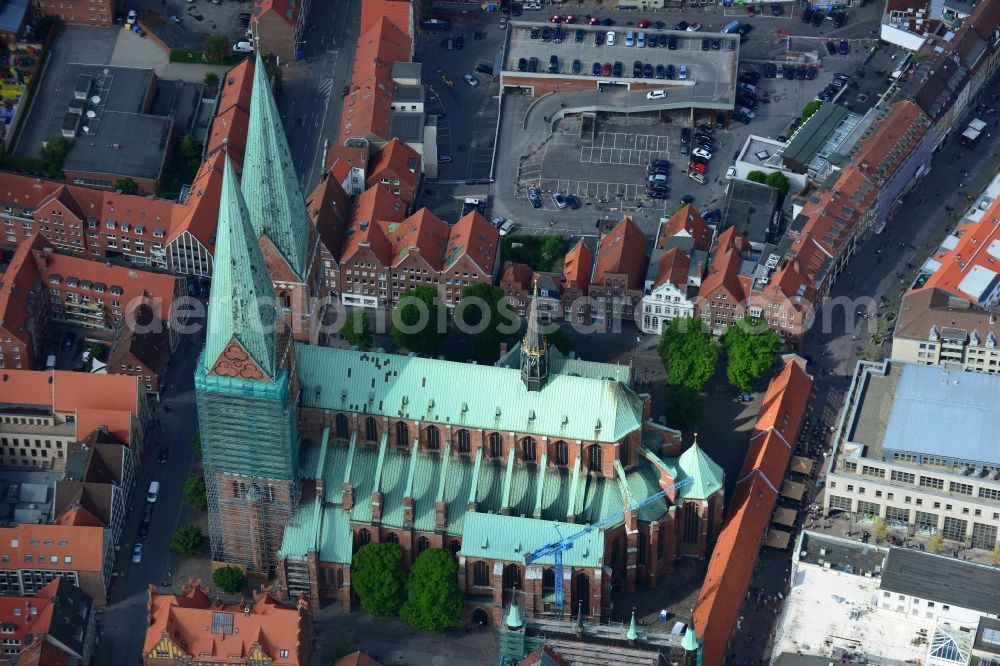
[
  {"x": 55, "y": 627},
  {"x": 396, "y": 167},
  {"x": 617, "y": 281},
  {"x": 722, "y": 297}
]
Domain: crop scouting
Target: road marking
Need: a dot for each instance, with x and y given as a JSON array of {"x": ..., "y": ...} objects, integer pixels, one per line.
[{"x": 326, "y": 86}]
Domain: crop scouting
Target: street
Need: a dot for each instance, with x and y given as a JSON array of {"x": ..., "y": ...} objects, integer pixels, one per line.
[{"x": 122, "y": 625}]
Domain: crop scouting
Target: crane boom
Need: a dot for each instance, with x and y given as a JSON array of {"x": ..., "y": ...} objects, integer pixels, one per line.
[{"x": 562, "y": 544}]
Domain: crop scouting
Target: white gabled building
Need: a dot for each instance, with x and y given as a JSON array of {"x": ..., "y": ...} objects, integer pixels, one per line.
[{"x": 671, "y": 288}]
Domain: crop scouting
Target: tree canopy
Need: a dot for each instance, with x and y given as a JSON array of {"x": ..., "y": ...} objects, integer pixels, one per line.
[
  {"x": 749, "y": 352},
  {"x": 419, "y": 320},
  {"x": 231, "y": 579},
  {"x": 778, "y": 181},
  {"x": 757, "y": 176},
  {"x": 377, "y": 576},
  {"x": 687, "y": 353},
  {"x": 357, "y": 330},
  {"x": 810, "y": 108},
  {"x": 434, "y": 601},
  {"x": 54, "y": 153},
  {"x": 217, "y": 48},
  {"x": 188, "y": 540},
  {"x": 481, "y": 300},
  {"x": 194, "y": 492},
  {"x": 211, "y": 79},
  {"x": 683, "y": 407},
  {"x": 126, "y": 186}
]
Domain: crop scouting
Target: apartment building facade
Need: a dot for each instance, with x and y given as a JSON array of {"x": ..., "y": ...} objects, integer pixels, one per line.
[
  {"x": 890, "y": 460},
  {"x": 935, "y": 328}
]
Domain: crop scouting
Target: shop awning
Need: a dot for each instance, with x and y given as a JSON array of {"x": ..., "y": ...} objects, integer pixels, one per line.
[
  {"x": 802, "y": 465},
  {"x": 778, "y": 539},
  {"x": 784, "y": 516},
  {"x": 793, "y": 490}
]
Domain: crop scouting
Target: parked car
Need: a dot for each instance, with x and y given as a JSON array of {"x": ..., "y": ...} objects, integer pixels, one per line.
[
  {"x": 606, "y": 69},
  {"x": 844, "y": 47},
  {"x": 706, "y": 44},
  {"x": 661, "y": 41},
  {"x": 683, "y": 73},
  {"x": 459, "y": 42},
  {"x": 682, "y": 26},
  {"x": 558, "y": 200},
  {"x": 769, "y": 70},
  {"x": 598, "y": 39},
  {"x": 720, "y": 121},
  {"x": 810, "y": 73},
  {"x": 716, "y": 44},
  {"x": 572, "y": 201},
  {"x": 162, "y": 456},
  {"x": 685, "y": 136},
  {"x": 546, "y": 35},
  {"x": 656, "y": 94},
  {"x": 637, "y": 69},
  {"x": 243, "y": 46},
  {"x": 672, "y": 42},
  {"x": 694, "y": 27},
  {"x": 777, "y": 9},
  {"x": 647, "y": 70},
  {"x": 687, "y": 198},
  {"x": 522, "y": 64},
  {"x": 579, "y": 36},
  {"x": 577, "y": 67},
  {"x": 137, "y": 553},
  {"x": 817, "y": 19},
  {"x": 535, "y": 197},
  {"x": 644, "y": 23},
  {"x": 610, "y": 38},
  {"x": 698, "y": 166},
  {"x": 471, "y": 80},
  {"x": 671, "y": 72},
  {"x": 731, "y": 173},
  {"x": 70, "y": 340},
  {"x": 536, "y": 32},
  {"x": 532, "y": 64},
  {"x": 661, "y": 72},
  {"x": 748, "y": 113},
  {"x": 617, "y": 68}
]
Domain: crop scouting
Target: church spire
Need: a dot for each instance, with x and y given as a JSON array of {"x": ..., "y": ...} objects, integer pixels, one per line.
[
  {"x": 534, "y": 349},
  {"x": 241, "y": 313},
  {"x": 270, "y": 183}
]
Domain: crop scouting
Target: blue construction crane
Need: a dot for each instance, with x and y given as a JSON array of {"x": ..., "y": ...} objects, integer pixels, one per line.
[{"x": 561, "y": 545}]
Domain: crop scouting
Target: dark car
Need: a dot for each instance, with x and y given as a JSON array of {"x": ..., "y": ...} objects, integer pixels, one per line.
[
  {"x": 205, "y": 290},
  {"x": 769, "y": 70},
  {"x": 685, "y": 135},
  {"x": 672, "y": 42},
  {"x": 579, "y": 35},
  {"x": 705, "y": 129},
  {"x": 831, "y": 48},
  {"x": 536, "y": 32},
  {"x": 617, "y": 68},
  {"x": 553, "y": 64},
  {"x": 535, "y": 197},
  {"x": 577, "y": 67},
  {"x": 682, "y": 26},
  {"x": 522, "y": 65},
  {"x": 800, "y": 72},
  {"x": 661, "y": 40},
  {"x": 558, "y": 35},
  {"x": 69, "y": 341},
  {"x": 573, "y": 201},
  {"x": 657, "y": 194},
  {"x": 706, "y": 44},
  {"x": 647, "y": 70},
  {"x": 817, "y": 19},
  {"x": 776, "y": 9},
  {"x": 607, "y": 22},
  {"x": 749, "y": 103},
  {"x": 659, "y": 163},
  {"x": 712, "y": 216},
  {"x": 516, "y": 9},
  {"x": 743, "y": 118},
  {"x": 162, "y": 456},
  {"x": 699, "y": 160},
  {"x": 811, "y": 73},
  {"x": 843, "y": 48},
  {"x": 745, "y": 29},
  {"x": 459, "y": 42},
  {"x": 532, "y": 64},
  {"x": 147, "y": 512},
  {"x": 659, "y": 25},
  {"x": 807, "y": 15},
  {"x": 720, "y": 121},
  {"x": 716, "y": 44},
  {"x": 670, "y": 71},
  {"x": 596, "y": 69},
  {"x": 637, "y": 69},
  {"x": 789, "y": 72},
  {"x": 840, "y": 19},
  {"x": 686, "y": 199},
  {"x": 661, "y": 72},
  {"x": 598, "y": 38},
  {"x": 546, "y": 35},
  {"x": 751, "y": 76},
  {"x": 143, "y": 531},
  {"x": 685, "y": 149}
]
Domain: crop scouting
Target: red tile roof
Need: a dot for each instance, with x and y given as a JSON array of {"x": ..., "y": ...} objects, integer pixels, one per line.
[
  {"x": 357, "y": 659},
  {"x": 423, "y": 231},
  {"x": 723, "y": 270},
  {"x": 399, "y": 160},
  {"x": 185, "y": 621},
  {"x": 970, "y": 269},
  {"x": 397, "y": 12},
  {"x": 673, "y": 268},
  {"x": 735, "y": 554},
  {"x": 372, "y": 206},
  {"x": 329, "y": 207},
  {"x": 286, "y": 10},
  {"x": 892, "y": 141},
  {"x": 16, "y": 283},
  {"x": 622, "y": 251},
  {"x": 232, "y": 115},
  {"x": 83, "y": 544},
  {"x": 475, "y": 238},
  {"x": 366, "y": 108},
  {"x": 516, "y": 276},
  {"x": 576, "y": 266},
  {"x": 686, "y": 222}
]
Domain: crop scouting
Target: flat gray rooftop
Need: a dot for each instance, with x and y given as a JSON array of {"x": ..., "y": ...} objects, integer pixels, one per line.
[
  {"x": 943, "y": 579},
  {"x": 750, "y": 207},
  {"x": 844, "y": 555},
  {"x": 26, "y": 497},
  {"x": 930, "y": 410},
  {"x": 407, "y": 127}
]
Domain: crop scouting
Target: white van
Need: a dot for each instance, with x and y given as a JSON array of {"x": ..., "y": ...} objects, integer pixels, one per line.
[
  {"x": 154, "y": 491},
  {"x": 243, "y": 47}
]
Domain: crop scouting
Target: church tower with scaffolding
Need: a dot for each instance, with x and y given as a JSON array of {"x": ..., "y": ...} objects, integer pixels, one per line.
[{"x": 246, "y": 389}]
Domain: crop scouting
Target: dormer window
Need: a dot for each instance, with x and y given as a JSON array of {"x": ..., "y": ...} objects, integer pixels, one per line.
[{"x": 110, "y": 224}]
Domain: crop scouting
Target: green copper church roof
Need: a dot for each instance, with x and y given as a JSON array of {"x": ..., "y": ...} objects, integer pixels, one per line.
[
  {"x": 690, "y": 642},
  {"x": 509, "y": 538},
  {"x": 708, "y": 476},
  {"x": 568, "y": 407},
  {"x": 242, "y": 299},
  {"x": 514, "y": 620},
  {"x": 270, "y": 183}
]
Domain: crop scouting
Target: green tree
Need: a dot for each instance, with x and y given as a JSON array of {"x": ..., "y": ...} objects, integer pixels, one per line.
[
  {"x": 231, "y": 579},
  {"x": 683, "y": 407},
  {"x": 810, "y": 108},
  {"x": 936, "y": 543},
  {"x": 54, "y": 152},
  {"x": 211, "y": 79},
  {"x": 195, "y": 495},
  {"x": 687, "y": 352},
  {"x": 560, "y": 341},
  {"x": 757, "y": 176},
  {"x": 377, "y": 576},
  {"x": 126, "y": 186},
  {"x": 357, "y": 330},
  {"x": 190, "y": 148},
  {"x": 434, "y": 601},
  {"x": 553, "y": 249},
  {"x": 480, "y": 308},
  {"x": 778, "y": 181},
  {"x": 419, "y": 320},
  {"x": 880, "y": 529},
  {"x": 749, "y": 352},
  {"x": 217, "y": 48},
  {"x": 187, "y": 540}
]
